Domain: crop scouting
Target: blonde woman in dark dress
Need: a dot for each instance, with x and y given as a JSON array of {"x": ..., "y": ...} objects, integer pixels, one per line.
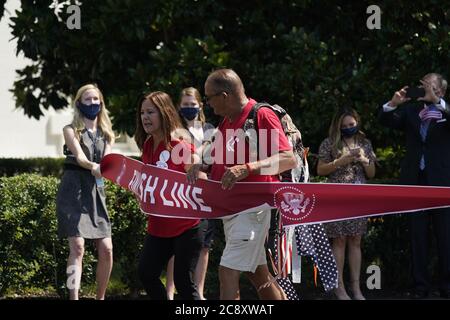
[
  {"x": 346, "y": 156},
  {"x": 80, "y": 204}
]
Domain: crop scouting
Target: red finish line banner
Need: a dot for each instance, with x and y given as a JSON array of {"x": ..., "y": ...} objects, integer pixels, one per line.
[{"x": 167, "y": 193}]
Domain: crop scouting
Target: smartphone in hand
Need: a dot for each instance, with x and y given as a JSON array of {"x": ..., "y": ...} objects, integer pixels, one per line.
[
  {"x": 355, "y": 152},
  {"x": 415, "y": 92}
]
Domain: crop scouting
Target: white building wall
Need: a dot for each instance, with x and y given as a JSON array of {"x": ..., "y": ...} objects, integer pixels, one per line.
[{"x": 20, "y": 136}]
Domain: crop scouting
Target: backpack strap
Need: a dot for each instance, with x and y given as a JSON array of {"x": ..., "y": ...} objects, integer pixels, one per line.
[
  {"x": 252, "y": 115},
  {"x": 251, "y": 122}
]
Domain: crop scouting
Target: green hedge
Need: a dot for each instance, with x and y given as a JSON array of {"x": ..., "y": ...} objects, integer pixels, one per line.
[
  {"x": 42, "y": 166},
  {"x": 128, "y": 232},
  {"x": 30, "y": 253}
]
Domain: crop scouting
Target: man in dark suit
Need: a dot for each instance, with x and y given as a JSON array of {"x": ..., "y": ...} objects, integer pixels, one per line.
[{"x": 427, "y": 162}]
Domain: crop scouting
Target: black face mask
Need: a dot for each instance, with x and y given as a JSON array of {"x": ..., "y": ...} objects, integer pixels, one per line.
[
  {"x": 349, "y": 132},
  {"x": 189, "y": 113},
  {"x": 90, "y": 111}
]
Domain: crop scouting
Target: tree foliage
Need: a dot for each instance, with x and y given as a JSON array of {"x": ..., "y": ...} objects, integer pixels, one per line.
[{"x": 311, "y": 57}]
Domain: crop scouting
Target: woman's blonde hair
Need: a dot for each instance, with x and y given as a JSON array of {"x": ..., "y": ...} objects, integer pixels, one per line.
[
  {"x": 192, "y": 92},
  {"x": 103, "y": 121},
  {"x": 170, "y": 120},
  {"x": 334, "y": 132}
]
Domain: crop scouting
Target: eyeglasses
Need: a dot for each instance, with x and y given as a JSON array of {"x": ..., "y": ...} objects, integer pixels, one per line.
[{"x": 208, "y": 98}]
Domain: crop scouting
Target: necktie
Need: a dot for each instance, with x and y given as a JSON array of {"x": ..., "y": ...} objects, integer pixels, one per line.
[{"x": 423, "y": 133}]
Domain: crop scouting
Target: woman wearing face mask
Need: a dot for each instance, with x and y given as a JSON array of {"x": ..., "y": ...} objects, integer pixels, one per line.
[
  {"x": 200, "y": 132},
  {"x": 80, "y": 204},
  {"x": 157, "y": 134},
  {"x": 346, "y": 156},
  {"x": 193, "y": 117}
]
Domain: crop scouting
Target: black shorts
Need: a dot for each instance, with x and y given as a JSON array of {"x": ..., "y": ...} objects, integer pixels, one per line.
[{"x": 209, "y": 232}]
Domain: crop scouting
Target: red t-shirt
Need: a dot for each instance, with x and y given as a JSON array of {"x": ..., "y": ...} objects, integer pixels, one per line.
[
  {"x": 230, "y": 151},
  {"x": 161, "y": 226}
]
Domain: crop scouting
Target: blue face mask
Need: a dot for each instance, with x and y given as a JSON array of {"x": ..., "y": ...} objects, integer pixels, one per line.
[
  {"x": 349, "y": 132},
  {"x": 90, "y": 111},
  {"x": 189, "y": 113}
]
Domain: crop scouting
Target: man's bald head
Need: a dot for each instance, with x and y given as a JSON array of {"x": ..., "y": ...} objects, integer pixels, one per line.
[{"x": 226, "y": 80}]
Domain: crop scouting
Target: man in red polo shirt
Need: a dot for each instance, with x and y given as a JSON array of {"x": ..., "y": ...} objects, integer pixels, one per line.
[{"x": 232, "y": 162}]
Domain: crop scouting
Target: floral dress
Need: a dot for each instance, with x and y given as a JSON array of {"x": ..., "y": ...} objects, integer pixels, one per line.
[{"x": 351, "y": 173}]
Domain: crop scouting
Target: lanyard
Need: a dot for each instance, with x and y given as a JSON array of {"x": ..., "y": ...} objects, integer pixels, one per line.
[{"x": 96, "y": 156}]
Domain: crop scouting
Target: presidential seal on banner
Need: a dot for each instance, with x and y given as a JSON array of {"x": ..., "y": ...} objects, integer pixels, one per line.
[{"x": 294, "y": 204}]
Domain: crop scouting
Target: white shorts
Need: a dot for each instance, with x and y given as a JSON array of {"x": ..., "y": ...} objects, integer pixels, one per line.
[{"x": 245, "y": 235}]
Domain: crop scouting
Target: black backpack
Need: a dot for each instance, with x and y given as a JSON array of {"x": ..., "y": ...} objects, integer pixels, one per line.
[{"x": 301, "y": 172}]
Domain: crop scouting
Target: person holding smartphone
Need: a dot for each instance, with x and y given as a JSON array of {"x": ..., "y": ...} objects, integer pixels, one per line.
[
  {"x": 426, "y": 123},
  {"x": 346, "y": 156}
]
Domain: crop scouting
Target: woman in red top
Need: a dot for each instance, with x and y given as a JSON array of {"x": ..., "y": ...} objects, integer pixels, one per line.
[{"x": 157, "y": 133}]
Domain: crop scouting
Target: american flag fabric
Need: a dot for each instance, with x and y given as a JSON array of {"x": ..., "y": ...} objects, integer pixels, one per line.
[
  {"x": 311, "y": 241},
  {"x": 430, "y": 112},
  {"x": 283, "y": 278},
  {"x": 288, "y": 288},
  {"x": 284, "y": 250}
]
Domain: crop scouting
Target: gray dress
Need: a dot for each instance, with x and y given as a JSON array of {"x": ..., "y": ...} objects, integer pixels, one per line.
[
  {"x": 351, "y": 173},
  {"x": 80, "y": 203}
]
